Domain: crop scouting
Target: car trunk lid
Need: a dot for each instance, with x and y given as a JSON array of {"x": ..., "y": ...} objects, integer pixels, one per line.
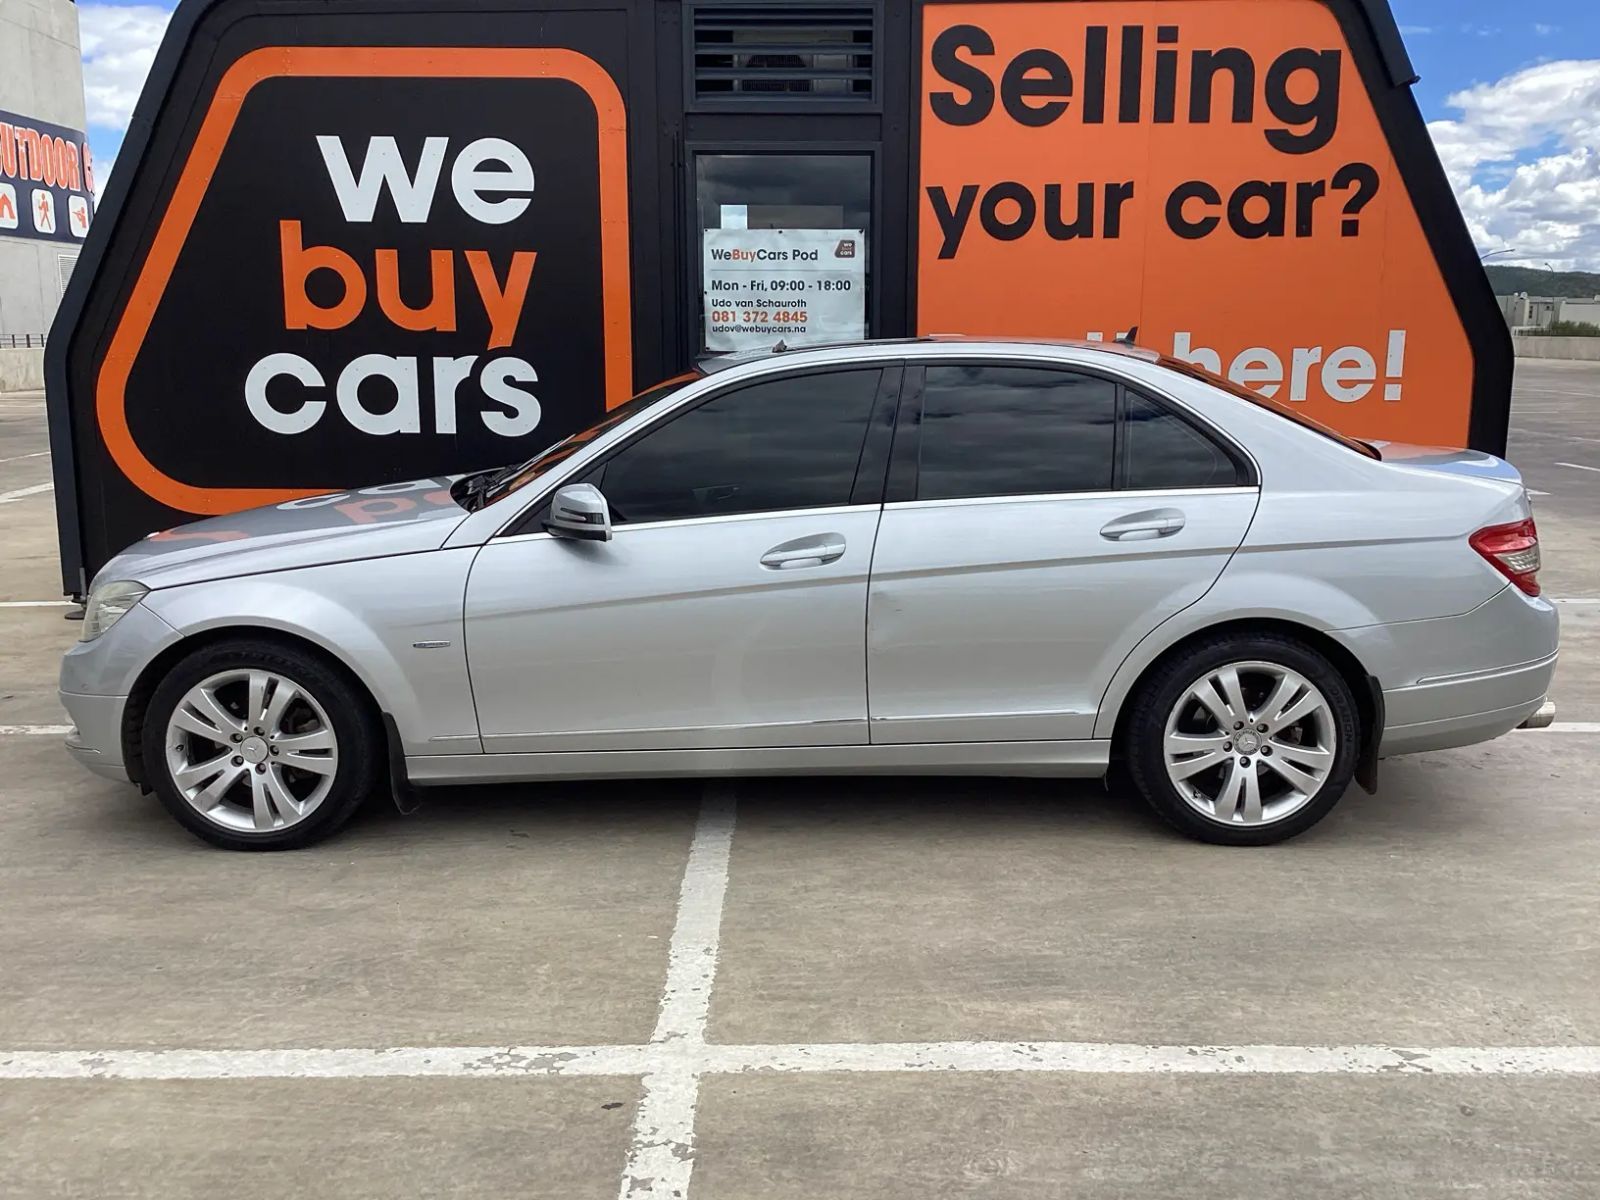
[{"x": 1471, "y": 464}]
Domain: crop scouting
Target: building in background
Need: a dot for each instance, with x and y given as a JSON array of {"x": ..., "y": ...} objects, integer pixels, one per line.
[
  {"x": 46, "y": 171},
  {"x": 1529, "y": 314}
]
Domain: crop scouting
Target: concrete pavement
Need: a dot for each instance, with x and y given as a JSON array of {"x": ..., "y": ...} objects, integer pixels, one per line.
[{"x": 693, "y": 1018}]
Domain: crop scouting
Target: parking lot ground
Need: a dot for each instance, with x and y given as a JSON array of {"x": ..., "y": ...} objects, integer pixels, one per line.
[
  {"x": 1459, "y": 906},
  {"x": 551, "y": 1139},
  {"x": 33, "y": 641},
  {"x": 1126, "y": 1137},
  {"x": 860, "y": 988},
  {"x": 502, "y": 918}
]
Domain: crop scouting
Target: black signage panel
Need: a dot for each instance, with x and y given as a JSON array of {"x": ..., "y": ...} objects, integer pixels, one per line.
[{"x": 367, "y": 264}]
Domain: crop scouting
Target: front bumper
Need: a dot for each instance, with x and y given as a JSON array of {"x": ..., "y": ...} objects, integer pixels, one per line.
[
  {"x": 96, "y": 679},
  {"x": 96, "y": 736}
]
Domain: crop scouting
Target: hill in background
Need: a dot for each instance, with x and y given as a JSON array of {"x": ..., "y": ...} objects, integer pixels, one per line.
[{"x": 1538, "y": 282}]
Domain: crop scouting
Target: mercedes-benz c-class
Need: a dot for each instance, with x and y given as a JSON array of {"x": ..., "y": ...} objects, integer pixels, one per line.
[{"x": 924, "y": 557}]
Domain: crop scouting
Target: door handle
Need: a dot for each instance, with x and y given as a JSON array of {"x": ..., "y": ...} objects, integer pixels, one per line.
[
  {"x": 1143, "y": 526},
  {"x": 805, "y": 552}
]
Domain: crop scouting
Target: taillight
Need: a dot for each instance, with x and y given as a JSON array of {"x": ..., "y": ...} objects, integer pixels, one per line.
[{"x": 1513, "y": 550}]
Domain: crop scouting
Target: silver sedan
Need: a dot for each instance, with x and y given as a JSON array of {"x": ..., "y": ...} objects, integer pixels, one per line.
[{"x": 936, "y": 556}]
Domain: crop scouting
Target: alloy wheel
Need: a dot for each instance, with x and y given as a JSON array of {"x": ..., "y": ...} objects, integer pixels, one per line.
[
  {"x": 251, "y": 750},
  {"x": 1250, "y": 743}
]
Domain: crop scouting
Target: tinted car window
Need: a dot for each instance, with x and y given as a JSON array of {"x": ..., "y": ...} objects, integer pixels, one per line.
[
  {"x": 1162, "y": 450},
  {"x": 786, "y": 443},
  {"x": 1014, "y": 431}
]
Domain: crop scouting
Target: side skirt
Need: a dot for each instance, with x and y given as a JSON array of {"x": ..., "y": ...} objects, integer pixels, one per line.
[{"x": 1081, "y": 759}]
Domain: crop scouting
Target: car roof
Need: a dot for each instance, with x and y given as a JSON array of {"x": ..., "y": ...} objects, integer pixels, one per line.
[{"x": 994, "y": 344}]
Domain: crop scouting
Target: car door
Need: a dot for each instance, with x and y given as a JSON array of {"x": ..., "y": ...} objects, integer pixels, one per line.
[
  {"x": 1040, "y": 522},
  {"x": 728, "y": 609}
]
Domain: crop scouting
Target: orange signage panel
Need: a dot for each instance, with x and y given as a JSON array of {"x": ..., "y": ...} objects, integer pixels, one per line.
[{"x": 1212, "y": 172}]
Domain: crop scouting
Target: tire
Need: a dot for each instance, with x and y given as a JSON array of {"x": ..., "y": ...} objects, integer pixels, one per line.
[
  {"x": 1200, "y": 782},
  {"x": 320, "y": 758}
]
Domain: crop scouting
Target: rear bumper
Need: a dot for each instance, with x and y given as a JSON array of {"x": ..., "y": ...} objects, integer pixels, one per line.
[
  {"x": 96, "y": 736},
  {"x": 1453, "y": 681},
  {"x": 1459, "y": 712}
]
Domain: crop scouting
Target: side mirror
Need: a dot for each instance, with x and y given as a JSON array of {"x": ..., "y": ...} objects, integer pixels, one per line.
[{"x": 579, "y": 511}]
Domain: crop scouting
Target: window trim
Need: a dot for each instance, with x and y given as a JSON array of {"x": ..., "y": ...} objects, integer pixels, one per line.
[
  {"x": 905, "y": 456},
  {"x": 889, "y": 376}
]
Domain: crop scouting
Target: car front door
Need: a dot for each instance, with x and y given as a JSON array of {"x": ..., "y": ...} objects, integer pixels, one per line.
[
  {"x": 1041, "y": 521},
  {"x": 728, "y": 609}
]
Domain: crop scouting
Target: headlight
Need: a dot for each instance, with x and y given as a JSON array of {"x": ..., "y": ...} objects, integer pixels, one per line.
[{"x": 107, "y": 604}]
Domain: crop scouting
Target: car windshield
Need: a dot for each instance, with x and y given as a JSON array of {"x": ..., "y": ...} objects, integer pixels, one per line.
[
  {"x": 503, "y": 481},
  {"x": 1267, "y": 402}
]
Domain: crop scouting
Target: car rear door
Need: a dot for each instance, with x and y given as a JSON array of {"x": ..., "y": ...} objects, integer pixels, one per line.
[
  {"x": 1040, "y": 521},
  {"x": 729, "y": 608}
]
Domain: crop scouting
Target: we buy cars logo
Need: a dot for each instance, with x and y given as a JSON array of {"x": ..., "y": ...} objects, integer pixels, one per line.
[{"x": 375, "y": 267}]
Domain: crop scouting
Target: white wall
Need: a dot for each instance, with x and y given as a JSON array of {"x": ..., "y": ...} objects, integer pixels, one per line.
[
  {"x": 22, "y": 370},
  {"x": 1581, "y": 349}
]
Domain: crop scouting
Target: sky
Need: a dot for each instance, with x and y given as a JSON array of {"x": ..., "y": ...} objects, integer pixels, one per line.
[{"x": 1511, "y": 93}]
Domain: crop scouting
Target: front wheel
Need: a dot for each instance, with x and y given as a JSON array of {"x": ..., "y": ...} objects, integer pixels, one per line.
[
  {"x": 1244, "y": 740},
  {"x": 254, "y": 745}
]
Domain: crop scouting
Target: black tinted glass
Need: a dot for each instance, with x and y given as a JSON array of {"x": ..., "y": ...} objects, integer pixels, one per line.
[
  {"x": 789, "y": 443},
  {"x": 1014, "y": 431},
  {"x": 1161, "y": 450}
]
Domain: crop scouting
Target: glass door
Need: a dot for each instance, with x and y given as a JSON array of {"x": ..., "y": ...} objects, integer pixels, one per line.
[{"x": 782, "y": 247}]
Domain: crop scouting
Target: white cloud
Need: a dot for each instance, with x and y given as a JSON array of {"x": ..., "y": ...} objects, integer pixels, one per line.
[
  {"x": 119, "y": 44},
  {"x": 1524, "y": 158}
]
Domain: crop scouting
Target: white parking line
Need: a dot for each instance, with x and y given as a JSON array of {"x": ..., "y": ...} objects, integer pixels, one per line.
[
  {"x": 36, "y": 604},
  {"x": 35, "y": 730},
  {"x": 1567, "y": 727},
  {"x": 656, "y": 1059},
  {"x": 24, "y": 493},
  {"x": 1578, "y": 467},
  {"x": 661, "y": 1158},
  {"x": 20, "y": 457}
]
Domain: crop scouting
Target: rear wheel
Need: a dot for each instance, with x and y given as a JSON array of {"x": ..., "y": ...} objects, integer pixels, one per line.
[
  {"x": 253, "y": 745},
  {"x": 1244, "y": 739}
]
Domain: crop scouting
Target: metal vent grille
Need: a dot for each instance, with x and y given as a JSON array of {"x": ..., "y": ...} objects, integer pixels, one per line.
[{"x": 776, "y": 52}]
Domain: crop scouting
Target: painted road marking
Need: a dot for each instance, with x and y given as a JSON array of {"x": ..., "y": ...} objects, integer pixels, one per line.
[
  {"x": 671, "y": 1065},
  {"x": 654, "y": 1058},
  {"x": 36, "y": 604},
  {"x": 661, "y": 1157},
  {"x": 1578, "y": 467},
  {"x": 20, "y": 457},
  {"x": 35, "y": 730},
  {"x": 24, "y": 493},
  {"x": 1567, "y": 727}
]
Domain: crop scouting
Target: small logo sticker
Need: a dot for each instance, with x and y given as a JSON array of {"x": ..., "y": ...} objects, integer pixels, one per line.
[
  {"x": 78, "y": 215},
  {"x": 43, "y": 207},
  {"x": 845, "y": 249}
]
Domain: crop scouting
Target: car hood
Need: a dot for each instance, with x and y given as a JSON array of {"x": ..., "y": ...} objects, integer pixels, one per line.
[{"x": 394, "y": 518}]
